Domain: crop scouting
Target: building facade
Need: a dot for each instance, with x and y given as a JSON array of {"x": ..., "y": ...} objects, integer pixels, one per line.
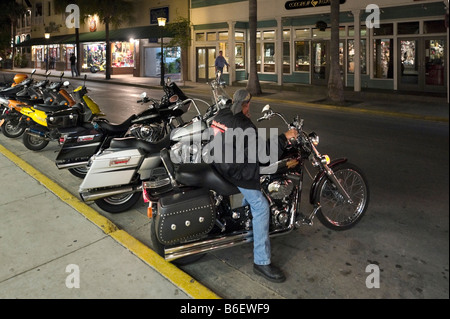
[
  {"x": 402, "y": 45},
  {"x": 135, "y": 46}
]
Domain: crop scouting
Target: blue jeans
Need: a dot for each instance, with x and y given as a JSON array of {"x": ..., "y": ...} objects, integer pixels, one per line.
[{"x": 261, "y": 214}]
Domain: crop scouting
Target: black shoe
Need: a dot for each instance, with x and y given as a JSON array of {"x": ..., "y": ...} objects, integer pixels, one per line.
[{"x": 269, "y": 272}]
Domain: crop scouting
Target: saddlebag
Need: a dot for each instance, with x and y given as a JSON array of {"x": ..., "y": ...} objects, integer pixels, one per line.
[{"x": 184, "y": 216}]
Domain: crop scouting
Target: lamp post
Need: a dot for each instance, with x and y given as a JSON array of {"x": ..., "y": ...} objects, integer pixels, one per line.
[
  {"x": 162, "y": 23},
  {"x": 47, "y": 37}
]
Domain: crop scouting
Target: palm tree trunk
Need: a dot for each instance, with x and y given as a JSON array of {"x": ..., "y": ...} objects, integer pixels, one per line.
[
  {"x": 253, "y": 85},
  {"x": 335, "y": 85},
  {"x": 108, "y": 52},
  {"x": 78, "y": 49}
]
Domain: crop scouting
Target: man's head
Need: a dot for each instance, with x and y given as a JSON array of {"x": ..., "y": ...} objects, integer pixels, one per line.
[
  {"x": 220, "y": 52},
  {"x": 241, "y": 102}
]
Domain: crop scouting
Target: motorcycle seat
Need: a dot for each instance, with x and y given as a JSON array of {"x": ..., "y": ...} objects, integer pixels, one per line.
[
  {"x": 147, "y": 147},
  {"x": 205, "y": 176},
  {"x": 112, "y": 128},
  {"x": 49, "y": 108}
]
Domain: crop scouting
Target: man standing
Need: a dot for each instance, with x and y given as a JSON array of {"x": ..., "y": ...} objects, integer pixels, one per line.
[
  {"x": 245, "y": 175},
  {"x": 73, "y": 65},
  {"x": 220, "y": 64}
]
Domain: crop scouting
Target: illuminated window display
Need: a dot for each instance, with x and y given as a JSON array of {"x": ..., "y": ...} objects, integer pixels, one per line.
[
  {"x": 122, "y": 54},
  {"x": 94, "y": 54}
]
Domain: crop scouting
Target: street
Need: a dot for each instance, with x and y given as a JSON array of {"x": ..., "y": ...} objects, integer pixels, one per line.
[{"x": 404, "y": 233}]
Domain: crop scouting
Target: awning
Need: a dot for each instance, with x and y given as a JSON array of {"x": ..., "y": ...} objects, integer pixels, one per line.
[{"x": 145, "y": 32}]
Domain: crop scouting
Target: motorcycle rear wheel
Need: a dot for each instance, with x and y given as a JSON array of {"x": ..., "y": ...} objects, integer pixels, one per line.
[
  {"x": 336, "y": 213},
  {"x": 118, "y": 203},
  {"x": 11, "y": 129},
  {"x": 33, "y": 142}
]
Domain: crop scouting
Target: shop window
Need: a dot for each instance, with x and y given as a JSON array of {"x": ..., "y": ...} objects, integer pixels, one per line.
[
  {"x": 362, "y": 56},
  {"x": 286, "y": 35},
  {"x": 286, "y": 57},
  {"x": 200, "y": 36},
  {"x": 223, "y": 36},
  {"x": 302, "y": 56},
  {"x": 382, "y": 59},
  {"x": 93, "y": 54},
  {"x": 437, "y": 26},
  {"x": 211, "y": 36},
  {"x": 363, "y": 31},
  {"x": 122, "y": 54},
  {"x": 408, "y": 28},
  {"x": 302, "y": 33},
  {"x": 269, "y": 57},
  {"x": 239, "y": 52},
  {"x": 384, "y": 29},
  {"x": 322, "y": 34},
  {"x": 239, "y": 36},
  {"x": 269, "y": 35},
  {"x": 342, "y": 32}
]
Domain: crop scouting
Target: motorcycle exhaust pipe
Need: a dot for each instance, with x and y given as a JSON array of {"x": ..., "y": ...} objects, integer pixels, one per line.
[
  {"x": 207, "y": 245},
  {"x": 216, "y": 243},
  {"x": 37, "y": 133},
  {"x": 97, "y": 194},
  {"x": 71, "y": 165}
]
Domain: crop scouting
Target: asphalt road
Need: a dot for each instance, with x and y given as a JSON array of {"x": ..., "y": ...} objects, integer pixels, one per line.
[{"x": 403, "y": 239}]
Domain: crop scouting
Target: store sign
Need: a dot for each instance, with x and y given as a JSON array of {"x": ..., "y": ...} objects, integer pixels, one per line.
[
  {"x": 289, "y": 5},
  {"x": 159, "y": 13}
]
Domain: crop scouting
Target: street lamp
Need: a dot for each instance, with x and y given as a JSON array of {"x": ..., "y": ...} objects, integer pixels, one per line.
[
  {"x": 162, "y": 23},
  {"x": 47, "y": 37}
]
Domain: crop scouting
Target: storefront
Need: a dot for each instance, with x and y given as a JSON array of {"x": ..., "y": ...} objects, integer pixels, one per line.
[{"x": 407, "y": 50}]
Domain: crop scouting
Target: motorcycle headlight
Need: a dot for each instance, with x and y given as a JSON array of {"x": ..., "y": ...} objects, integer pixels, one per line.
[{"x": 314, "y": 138}]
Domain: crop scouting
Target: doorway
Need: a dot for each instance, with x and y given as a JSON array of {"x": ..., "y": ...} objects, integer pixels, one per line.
[
  {"x": 206, "y": 58},
  {"x": 321, "y": 61},
  {"x": 421, "y": 64}
]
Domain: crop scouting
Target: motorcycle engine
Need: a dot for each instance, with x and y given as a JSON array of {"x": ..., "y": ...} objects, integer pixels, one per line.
[
  {"x": 280, "y": 192},
  {"x": 147, "y": 132}
]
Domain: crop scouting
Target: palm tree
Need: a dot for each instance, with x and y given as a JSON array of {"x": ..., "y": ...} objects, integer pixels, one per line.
[
  {"x": 110, "y": 12},
  {"x": 253, "y": 85},
  {"x": 335, "y": 85},
  {"x": 12, "y": 11}
]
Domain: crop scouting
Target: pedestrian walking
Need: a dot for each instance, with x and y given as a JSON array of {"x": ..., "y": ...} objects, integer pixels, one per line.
[
  {"x": 73, "y": 65},
  {"x": 220, "y": 64}
]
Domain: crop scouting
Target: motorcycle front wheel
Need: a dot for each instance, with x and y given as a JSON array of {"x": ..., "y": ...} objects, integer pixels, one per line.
[
  {"x": 12, "y": 129},
  {"x": 118, "y": 203},
  {"x": 336, "y": 212},
  {"x": 33, "y": 142},
  {"x": 79, "y": 172}
]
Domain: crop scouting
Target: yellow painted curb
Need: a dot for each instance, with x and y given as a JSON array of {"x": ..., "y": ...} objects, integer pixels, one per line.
[{"x": 179, "y": 278}]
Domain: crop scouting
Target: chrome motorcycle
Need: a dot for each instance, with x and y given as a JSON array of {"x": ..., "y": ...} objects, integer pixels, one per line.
[{"x": 196, "y": 214}]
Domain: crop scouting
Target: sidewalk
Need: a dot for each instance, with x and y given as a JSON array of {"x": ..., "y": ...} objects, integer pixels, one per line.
[
  {"x": 416, "y": 105},
  {"x": 53, "y": 246}
]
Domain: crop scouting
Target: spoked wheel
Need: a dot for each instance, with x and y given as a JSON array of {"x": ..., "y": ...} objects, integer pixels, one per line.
[
  {"x": 118, "y": 203},
  {"x": 79, "y": 172},
  {"x": 12, "y": 129},
  {"x": 336, "y": 212},
  {"x": 33, "y": 142}
]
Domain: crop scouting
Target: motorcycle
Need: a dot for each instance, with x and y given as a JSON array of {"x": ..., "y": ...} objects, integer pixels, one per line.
[
  {"x": 50, "y": 122},
  {"x": 150, "y": 125},
  {"x": 114, "y": 178},
  {"x": 98, "y": 66},
  {"x": 12, "y": 99},
  {"x": 195, "y": 215}
]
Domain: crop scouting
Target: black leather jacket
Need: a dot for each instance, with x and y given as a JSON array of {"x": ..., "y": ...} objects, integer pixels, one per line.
[{"x": 243, "y": 169}]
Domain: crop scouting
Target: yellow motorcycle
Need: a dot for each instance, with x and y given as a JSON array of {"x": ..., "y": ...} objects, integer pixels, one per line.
[{"x": 50, "y": 122}]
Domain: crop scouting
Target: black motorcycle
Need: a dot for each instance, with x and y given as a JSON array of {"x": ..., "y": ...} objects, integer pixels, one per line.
[
  {"x": 195, "y": 214},
  {"x": 150, "y": 125}
]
